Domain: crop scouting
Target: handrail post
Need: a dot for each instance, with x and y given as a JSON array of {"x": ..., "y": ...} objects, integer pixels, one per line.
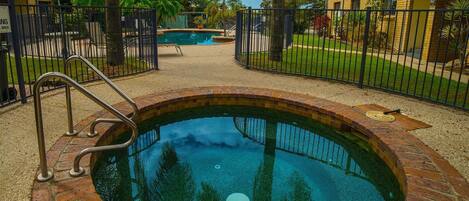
[
  {"x": 45, "y": 174},
  {"x": 68, "y": 100},
  {"x": 103, "y": 77},
  {"x": 365, "y": 47}
]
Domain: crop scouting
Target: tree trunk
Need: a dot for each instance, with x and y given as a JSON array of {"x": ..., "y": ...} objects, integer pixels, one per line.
[
  {"x": 277, "y": 27},
  {"x": 114, "y": 42}
]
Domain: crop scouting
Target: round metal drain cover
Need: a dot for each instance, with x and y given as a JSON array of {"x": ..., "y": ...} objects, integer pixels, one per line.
[
  {"x": 380, "y": 116},
  {"x": 237, "y": 197}
]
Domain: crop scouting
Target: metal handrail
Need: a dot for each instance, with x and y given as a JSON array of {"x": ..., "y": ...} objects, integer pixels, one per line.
[
  {"x": 103, "y": 77},
  {"x": 45, "y": 174}
]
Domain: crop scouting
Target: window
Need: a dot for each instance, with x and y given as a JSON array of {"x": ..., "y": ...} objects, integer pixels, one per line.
[
  {"x": 337, "y": 8},
  {"x": 336, "y": 5},
  {"x": 390, "y": 5}
]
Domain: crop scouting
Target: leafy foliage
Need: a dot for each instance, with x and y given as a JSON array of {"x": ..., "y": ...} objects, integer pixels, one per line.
[
  {"x": 199, "y": 20},
  {"x": 174, "y": 180},
  {"x": 208, "y": 193},
  {"x": 457, "y": 30}
]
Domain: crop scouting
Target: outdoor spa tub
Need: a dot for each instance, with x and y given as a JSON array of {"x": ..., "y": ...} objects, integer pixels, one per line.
[{"x": 237, "y": 143}]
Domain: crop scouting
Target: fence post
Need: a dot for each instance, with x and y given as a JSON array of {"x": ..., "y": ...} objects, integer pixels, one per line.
[
  {"x": 3, "y": 73},
  {"x": 140, "y": 35},
  {"x": 248, "y": 37},
  {"x": 365, "y": 46},
  {"x": 155, "y": 39},
  {"x": 238, "y": 33},
  {"x": 63, "y": 36},
  {"x": 16, "y": 49}
]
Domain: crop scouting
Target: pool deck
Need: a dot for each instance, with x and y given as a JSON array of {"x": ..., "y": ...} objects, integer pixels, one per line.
[{"x": 208, "y": 66}]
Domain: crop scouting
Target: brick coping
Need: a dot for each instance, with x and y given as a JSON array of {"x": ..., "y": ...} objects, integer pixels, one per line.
[{"x": 422, "y": 173}]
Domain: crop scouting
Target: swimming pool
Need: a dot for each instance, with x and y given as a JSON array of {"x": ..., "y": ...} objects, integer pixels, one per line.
[
  {"x": 187, "y": 38},
  {"x": 262, "y": 154}
]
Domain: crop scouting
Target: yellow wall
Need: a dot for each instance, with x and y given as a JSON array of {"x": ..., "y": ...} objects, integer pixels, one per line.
[
  {"x": 410, "y": 26},
  {"x": 345, "y": 4},
  {"x": 408, "y": 29},
  {"x": 24, "y": 9}
]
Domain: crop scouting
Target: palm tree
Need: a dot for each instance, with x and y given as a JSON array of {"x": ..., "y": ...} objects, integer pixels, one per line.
[
  {"x": 457, "y": 32},
  {"x": 167, "y": 9}
]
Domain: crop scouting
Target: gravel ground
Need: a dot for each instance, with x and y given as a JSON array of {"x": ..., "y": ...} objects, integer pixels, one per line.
[{"x": 207, "y": 66}]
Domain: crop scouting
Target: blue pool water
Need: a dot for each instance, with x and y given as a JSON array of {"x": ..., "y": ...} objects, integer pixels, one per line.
[
  {"x": 187, "y": 38},
  {"x": 209, "y": 153}
]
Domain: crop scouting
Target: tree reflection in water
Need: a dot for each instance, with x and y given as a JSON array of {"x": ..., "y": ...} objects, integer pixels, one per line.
[
  {"x": 300, "y": 189},
  {"x": 208, "y": 193},
  {"x": 174, "y": 180},
  {"x": 262, "y": 189}
]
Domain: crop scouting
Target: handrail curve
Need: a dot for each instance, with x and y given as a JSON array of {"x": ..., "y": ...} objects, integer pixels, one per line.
[
  {"x": 45, "y": 174},
  {"x": 103, "y": 77}
]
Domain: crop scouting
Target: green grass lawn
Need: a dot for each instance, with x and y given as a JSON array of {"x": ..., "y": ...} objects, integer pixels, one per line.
[
  {"x": 379, "y": 73},
  {"x": 34, "y": 67},
  {"x": 318, "y": 41}
]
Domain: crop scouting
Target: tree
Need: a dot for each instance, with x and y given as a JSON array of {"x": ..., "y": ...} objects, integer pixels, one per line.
[
  {"x": 277, "y": 26},
  {"x": 457, "y": 32},
  {"x": 114, "y": 42},
  {"x": 166, "y": 9},
  {"x": 222, "y": 13},
  {"x": 266, "y": 4}
]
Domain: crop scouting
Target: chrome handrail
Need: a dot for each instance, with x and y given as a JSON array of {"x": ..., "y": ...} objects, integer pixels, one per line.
[
  {"x": 103, "y": 77},
  {"x": 45, "y": 174}
]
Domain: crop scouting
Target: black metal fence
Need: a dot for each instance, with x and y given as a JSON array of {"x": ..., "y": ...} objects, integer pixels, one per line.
[
  {"x": 119, "y": 41},
  {"x": 417, "y": 53}
]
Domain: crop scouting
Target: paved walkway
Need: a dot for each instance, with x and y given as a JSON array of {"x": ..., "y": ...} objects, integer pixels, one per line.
[{"x": 207, "y": 66}]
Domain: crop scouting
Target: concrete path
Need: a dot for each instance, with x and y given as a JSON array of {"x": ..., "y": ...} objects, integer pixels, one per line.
[{"x": 207, "y": 66}]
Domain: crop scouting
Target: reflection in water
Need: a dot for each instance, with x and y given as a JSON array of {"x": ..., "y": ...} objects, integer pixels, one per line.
[
  {"x": 336, "y": 153},
  {"x": 208, "y": 193},
  {"x": 174, "y": 180},
  {"x": 300, "y": 189},
  {"x": 264, "y": 177},
  {"x": 263, "y": 156}
]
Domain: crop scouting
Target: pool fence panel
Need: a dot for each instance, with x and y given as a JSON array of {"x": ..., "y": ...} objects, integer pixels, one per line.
[
  {"x": 422, "y": 54},
  {"x": 43, "y": 36}
]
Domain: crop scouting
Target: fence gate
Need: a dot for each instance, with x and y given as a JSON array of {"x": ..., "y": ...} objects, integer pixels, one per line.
[{"x": 119, "y": 41}]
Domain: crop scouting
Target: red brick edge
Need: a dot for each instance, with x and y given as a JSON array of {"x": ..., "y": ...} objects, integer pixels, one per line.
[{"x": 422, "y": 173}]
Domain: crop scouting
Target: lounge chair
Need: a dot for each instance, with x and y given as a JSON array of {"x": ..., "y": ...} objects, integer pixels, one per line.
[
  {"x": 98, "y": 37},
  {"x": 178, "y": 48}
]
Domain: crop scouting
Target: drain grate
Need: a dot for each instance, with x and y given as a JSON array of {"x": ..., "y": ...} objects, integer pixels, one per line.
[{"x": 380, "y": 116}]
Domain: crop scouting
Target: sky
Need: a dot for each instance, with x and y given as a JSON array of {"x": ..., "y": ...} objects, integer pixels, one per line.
[{"x": 252, "y": 3}]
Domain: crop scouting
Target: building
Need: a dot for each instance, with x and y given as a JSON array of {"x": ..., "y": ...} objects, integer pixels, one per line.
[{"x": 409, "y": 29}]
